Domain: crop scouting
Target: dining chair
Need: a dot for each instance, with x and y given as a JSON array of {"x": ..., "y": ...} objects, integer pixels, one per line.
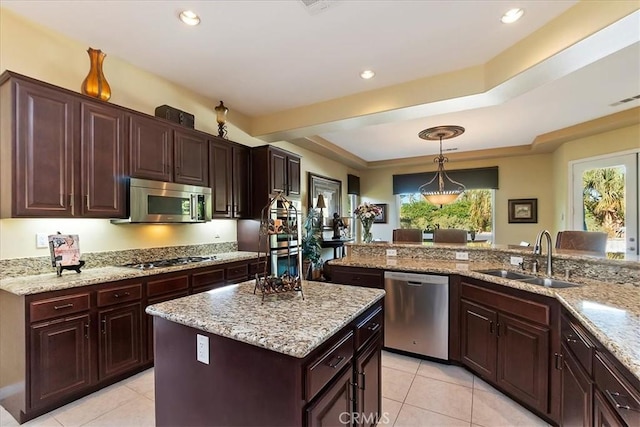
[
  {"x": 407, "y": 235},
  {"x": 592, "y": 241},
  {"x": 449, "y": 235}
]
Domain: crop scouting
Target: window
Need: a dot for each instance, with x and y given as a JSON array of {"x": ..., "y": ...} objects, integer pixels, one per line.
[
  {"x": 473, "y": 212},
  {"x": 605, "y": 198}
]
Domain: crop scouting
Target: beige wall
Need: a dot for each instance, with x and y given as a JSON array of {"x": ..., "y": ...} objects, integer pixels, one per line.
[
  {"x": 37, "y": 52},
  {"x": 524, "y": 177},
  {"x": 615, "y": 141}
]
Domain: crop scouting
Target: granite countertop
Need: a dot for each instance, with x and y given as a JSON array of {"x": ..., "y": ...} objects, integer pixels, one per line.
[
  {"x": 28, "y": 285},
  {"x": 611, "y": 312},
  {"x": 284, "y": 323}
]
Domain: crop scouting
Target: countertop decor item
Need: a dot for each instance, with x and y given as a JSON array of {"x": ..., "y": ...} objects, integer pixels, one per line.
[
  {"x": 447, "y": 190},
  {"x": 367, "y": 214},
  {"x": 95, "y": 84},
  {"x": 221, "y": 118},
  {"x": 288, "y": 277}
]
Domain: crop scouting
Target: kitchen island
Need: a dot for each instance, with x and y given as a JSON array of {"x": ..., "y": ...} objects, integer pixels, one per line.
[{"x": 287, "y": 361}]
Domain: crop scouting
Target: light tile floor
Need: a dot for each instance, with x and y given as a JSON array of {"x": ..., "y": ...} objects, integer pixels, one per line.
[{"x": 414, "y": 393}]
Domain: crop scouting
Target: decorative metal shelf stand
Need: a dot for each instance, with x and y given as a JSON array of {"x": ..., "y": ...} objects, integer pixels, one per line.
[{"x": 280, "y": 218}]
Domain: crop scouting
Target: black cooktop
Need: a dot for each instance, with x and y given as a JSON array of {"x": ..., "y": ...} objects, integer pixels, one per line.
[{"x": 169, "y": 262}]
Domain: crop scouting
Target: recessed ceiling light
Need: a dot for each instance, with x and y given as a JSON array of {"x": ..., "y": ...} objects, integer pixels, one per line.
[
  {"x": 512, "y": 16},
  {"x": 189, "y": 17},
  {"x": 367, "y": 74}
]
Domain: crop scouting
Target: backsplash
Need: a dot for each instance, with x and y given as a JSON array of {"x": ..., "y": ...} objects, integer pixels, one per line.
[{"x": 38, "y": 265}]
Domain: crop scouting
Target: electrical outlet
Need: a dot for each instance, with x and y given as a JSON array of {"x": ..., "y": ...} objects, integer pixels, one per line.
[
  {"x": 392, "y": 252},
  {"x": 516, "y": 260},
  {"x": 42, "y": 240},
  {"x": 462, "y": 255},
  {"x": 202, "y": 349}
]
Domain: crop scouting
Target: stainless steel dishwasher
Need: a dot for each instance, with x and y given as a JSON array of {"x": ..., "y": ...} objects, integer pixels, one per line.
[{"x": 416, "y": 317}]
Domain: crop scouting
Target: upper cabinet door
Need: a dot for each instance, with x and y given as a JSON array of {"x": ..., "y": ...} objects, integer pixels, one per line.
[
  {"x": 220, "y": 165},
  {"x": 151, "y": 155},
  {"x": 293, "y": 176},
  {"x": 43, "y": 152},
  {"x": 103, "y": 149},
  {"x": 190, "y": 154},
  {"x": 278, "y": 172},
  {"x": 241, "y": 203}
]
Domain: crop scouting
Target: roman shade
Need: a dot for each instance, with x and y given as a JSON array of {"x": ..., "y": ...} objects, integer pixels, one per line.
[{"x": 476, "y": 178}]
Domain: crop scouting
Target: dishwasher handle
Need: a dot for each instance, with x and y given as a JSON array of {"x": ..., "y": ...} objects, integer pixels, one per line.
[{"x": 414, "y": 283}]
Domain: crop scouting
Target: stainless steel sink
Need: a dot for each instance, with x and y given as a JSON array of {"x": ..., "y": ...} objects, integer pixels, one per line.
[
  {"x": 549, "y": 283},
  {"x": 527, "y": 278},
  {"x": 507, "y": 274}
]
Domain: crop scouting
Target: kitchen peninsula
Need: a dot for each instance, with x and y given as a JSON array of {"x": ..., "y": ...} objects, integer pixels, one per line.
[
  {"x": 224, "y": 358},
  {"x": 570, "y": 354}
]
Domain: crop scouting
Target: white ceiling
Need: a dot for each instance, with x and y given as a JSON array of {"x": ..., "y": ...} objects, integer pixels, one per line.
[{"x": 263, "y": 57}]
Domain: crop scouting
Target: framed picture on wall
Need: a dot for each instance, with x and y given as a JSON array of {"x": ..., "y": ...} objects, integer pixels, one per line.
[
  {"x": 331, "y": 191},
  {"x": 523, "y": 211},
  {"x": 382, "y": 218}
]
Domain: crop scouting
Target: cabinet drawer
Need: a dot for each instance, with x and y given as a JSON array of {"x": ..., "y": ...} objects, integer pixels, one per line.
[
  {"x": 368, "y": 327},
  {"x": 119, "y": 295},
  {"x": 61, "y": 306},
  {"x": 236, "y": 272},
  {"x": 165, "y": 286},
  {"x": 575, "y": 339},
  {"x": 207, "y": 278},
  {"x": 530, "y": 310},
  {"x": 257, "y": 268},
  {"x": 624, "y": 399},
  {"x": 358, "y": 277},
  {"x": 322, "y": 370}
]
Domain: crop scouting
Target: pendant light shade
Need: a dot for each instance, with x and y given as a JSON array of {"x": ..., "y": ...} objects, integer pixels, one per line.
[{"x": 441, "y": 190}]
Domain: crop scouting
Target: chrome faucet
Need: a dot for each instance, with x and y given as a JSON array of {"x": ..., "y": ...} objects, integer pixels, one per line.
[{"x": 537, "y": 249}]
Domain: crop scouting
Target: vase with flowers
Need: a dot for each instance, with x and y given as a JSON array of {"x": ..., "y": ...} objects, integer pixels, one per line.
[{"x": 367, "y": 213}]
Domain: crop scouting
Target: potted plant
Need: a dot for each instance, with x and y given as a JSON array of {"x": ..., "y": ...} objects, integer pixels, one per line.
[{"x": 311, "y": 249}]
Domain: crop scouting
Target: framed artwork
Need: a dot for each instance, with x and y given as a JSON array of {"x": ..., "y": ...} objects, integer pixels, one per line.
[
  {"x": 382, "y": 218},
  {"x": 331, "y": 191},
  {"x": 523, "y": 211}
]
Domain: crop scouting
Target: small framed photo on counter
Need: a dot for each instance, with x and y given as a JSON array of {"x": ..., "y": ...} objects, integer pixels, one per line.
[{"x": 523, "y": 211}]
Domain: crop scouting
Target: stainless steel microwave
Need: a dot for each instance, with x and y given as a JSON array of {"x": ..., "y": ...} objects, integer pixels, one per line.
[{"x": 167, "y": 202}]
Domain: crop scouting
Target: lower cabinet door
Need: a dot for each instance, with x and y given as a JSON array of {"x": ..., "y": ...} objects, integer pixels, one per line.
[
  {"x": 334, "y": 407},
  {"x": 59, "y": 362},
  {"x": 369, "y": 385},
  {"x": 478, "y": 338},
  {"x": 576, "y": 392},
  {"x": 523, "y": 361},
  {"x": 603, "y": 415},
  {"x": 119, "y": 345}
]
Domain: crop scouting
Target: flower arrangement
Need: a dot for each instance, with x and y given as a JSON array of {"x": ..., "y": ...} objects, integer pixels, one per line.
[{"x": 366, "y": 213}]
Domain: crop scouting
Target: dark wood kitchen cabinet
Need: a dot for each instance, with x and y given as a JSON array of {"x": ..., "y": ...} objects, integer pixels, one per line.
[
  {"x": 333, "y": 403},
  {"x": 59, "y": 358},
  {"x": 273, "y": 170},
  {"x": 576, "y": 392},
  {"x": 357, "y": 276},
  {"x": 67, "y": 152},
  {"x": 506, "y": 340},
  {"x": 162, "y": 152},
  {"x": 229, "y": 177},
  {"x": 191, "y": 157},
  {"x": 119, "y": 347},
  {"x": 151, "y": 150}
]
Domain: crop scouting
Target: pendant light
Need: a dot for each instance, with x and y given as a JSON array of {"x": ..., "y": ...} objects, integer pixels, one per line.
[{"x": 447, "y": 190}]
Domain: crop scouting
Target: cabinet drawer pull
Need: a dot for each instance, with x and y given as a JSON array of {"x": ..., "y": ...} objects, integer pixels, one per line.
[
  {"x": 360, "y": 383},
  {"x": 373, "y": 327},
  {"x": 126, "y": 294},
  {"x": 613, "y": 394},
  {"x": 60, "y": 307},
  {"x": 338, "y": 361}
]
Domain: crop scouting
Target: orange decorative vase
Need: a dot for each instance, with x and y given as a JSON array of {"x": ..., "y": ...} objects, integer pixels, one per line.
[{"x": 95, "y": 84}]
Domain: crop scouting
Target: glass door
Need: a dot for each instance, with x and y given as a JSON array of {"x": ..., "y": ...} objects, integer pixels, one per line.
[{"x": 605, "y": 198}]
